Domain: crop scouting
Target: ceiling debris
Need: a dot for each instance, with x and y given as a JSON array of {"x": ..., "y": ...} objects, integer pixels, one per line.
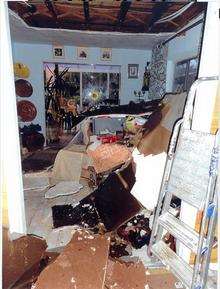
[
  {"x": 127, "y": 275},
  {"x": 104, "y": 232},
  {"x": 19, "y": 256},
  {"x": 82, "y": 264}
]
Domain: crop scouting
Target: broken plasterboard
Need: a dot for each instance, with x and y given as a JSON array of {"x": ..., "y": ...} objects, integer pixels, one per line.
[{"x": 63, "y": 188}]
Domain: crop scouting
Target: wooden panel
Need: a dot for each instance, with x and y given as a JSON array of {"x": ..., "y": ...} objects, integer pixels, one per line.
[
  {"x": 216, "y": 113},
  {"x": 5, "y": 222}
]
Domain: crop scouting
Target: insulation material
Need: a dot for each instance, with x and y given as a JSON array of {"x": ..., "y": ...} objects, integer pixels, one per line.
[
  {"x": 121, "y": 275},
  {"x": 109, "y": 156},
  {"x": 36, "y": 181},
  {"x": 63, "y": 188},
  {"x": 176, "y": 103},
  {"x": 82, "y": 264},
  {"x": 157, "y": 140},
  {"x": 19, "y": 256},
  {"x": 68, "y": 165},
  {"x": 149, "y": 173}
]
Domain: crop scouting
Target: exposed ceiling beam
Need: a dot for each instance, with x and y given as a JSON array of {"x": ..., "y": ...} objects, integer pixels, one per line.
[
  {"x": 158, "y": 10},
  {"x": 86, "y": 10},
  {"x": 124, "y": 7},
  {"x": 51, "y": 7}
]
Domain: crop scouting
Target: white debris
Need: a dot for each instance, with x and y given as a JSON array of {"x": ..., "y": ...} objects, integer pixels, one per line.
[
  {"x": 142, "y": 233},
  {"x": 179, "y": 285},
  {"x": 149, "y": 173},
  {"x": 146, "y": 287},
  {"x": 93, "y": 249},
  {"x": 73, "y": 280},
  {"x": 86, "y": 205},
  {"x": 63, "y": 188}
]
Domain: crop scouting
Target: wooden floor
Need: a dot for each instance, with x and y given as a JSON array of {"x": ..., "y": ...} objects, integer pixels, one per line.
[{"x": 39, "y": 215}]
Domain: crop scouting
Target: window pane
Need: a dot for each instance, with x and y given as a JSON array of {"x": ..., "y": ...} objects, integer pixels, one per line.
[
  {"x": 193, "y": 66},
  {"x": 94, "y": 88},
  {"x": 114, "y": 87},
  {"x": 180, "y": 77},
  {"x": 180, "y": 69}
]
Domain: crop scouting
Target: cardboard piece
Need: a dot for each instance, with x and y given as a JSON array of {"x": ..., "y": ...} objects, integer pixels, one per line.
[
  {"x": 109, "y": 156},
  {"x": 82, "y": 264},
  {"x": 161, "y": 278},
  {"x": 121, "y": 275},
  {"x": 19, "y": 256}
]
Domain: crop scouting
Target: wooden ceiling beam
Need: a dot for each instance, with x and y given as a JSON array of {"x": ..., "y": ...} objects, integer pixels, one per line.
[
  {"x": 51, "y": 7},
  {"x": 86, "y": 11},
  {"x": 130, "y": 17},
  {"x": 124, "y": 7},
  {"x": 158, "y": 10}
]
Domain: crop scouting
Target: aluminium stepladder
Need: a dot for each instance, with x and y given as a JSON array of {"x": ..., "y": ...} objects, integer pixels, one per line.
[{"x": 191, "y": 173}]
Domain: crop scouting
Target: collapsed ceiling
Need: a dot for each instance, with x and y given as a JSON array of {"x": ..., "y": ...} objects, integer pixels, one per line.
[
  {"x": 21, "y": 32},
  {"x": 109, "y": 15}
]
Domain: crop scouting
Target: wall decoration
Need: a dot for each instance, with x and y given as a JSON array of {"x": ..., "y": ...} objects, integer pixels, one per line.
[
  {"x": 58, "y": 52},
  {"x": 133, "y": 70},
  {"x": 146, "y": 78},
  {"x": 26, "y": 110},
  {"x": 157, "y": 85},
  {"x": 82, "y": 52},
  {"x": 106, "y": 54},
  {"x": 21, "y": 70},
  {"x": 23, "y": 88}
]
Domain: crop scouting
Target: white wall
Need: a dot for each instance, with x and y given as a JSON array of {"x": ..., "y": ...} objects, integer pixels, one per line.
[
  {"x": 180, "y": 48},
  {"x": 34, "y": 55}
]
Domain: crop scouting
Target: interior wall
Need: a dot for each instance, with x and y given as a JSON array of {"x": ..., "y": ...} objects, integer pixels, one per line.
[
  {"x": 180, "y": 48},
  {"x": 34, "y": 55}
]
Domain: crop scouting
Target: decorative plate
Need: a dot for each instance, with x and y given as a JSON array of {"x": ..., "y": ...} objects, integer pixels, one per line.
[
  {"x": 26, "y": 110},
  {"x": 23, "y": 88},
  {"x": 21, "y": 70}
]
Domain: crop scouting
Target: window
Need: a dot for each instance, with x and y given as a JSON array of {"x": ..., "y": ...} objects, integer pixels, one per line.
[
  {"x": 73, "y": 87},
  {"x": 185, "y": 74},
  {"x": 94, "y": 88}
]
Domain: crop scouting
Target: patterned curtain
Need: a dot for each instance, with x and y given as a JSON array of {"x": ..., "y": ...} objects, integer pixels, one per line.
[{"x": 158, "y": 67}]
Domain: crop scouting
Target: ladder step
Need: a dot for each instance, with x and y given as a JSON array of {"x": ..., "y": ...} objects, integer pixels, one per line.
[
  {"x": 180, "y": 231},
  {"x": 175, "y": 264},
  {"x": 190, "y": 169}
]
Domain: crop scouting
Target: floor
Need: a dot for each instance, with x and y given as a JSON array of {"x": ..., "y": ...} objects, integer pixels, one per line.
[
  {"x": 39, "y": 215},
  {"x": 42, "y": 159}
]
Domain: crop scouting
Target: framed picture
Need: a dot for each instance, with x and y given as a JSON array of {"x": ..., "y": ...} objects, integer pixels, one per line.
[
  {"x": 82, "y": 52},
  {"x": 133, "y": 70},
  {"x": 106, "y": 54},
  {"x": 58, "y": 52}
]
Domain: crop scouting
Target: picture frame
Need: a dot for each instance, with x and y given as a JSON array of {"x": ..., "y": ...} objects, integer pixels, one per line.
[
  {"x": 82, "y": 53},
  {"x": 58, "y": 52},
  {"x": 133, "y": 70},
  {"x": 106, "y": 54}
]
